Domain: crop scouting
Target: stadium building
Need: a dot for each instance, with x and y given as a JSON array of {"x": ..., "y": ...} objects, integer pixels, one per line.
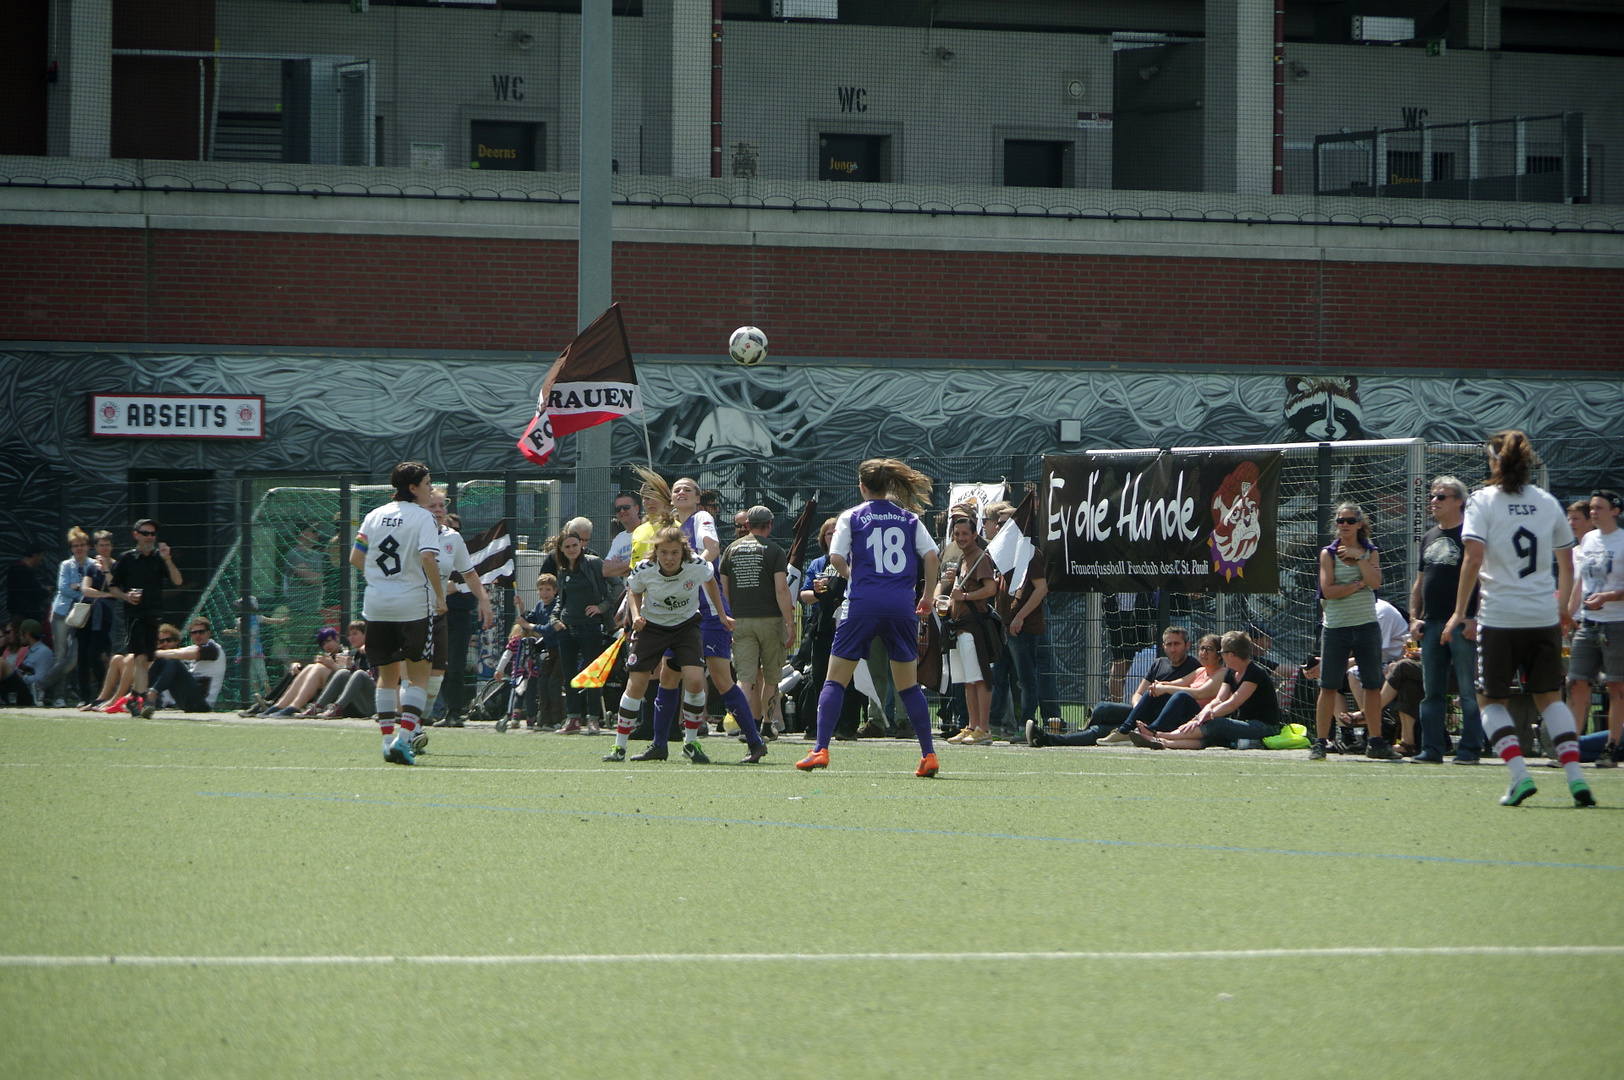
[{"x": 974, "y": 232}]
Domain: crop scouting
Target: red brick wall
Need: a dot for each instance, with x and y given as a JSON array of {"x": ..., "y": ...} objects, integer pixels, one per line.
[{"x": 207, "y": 288}]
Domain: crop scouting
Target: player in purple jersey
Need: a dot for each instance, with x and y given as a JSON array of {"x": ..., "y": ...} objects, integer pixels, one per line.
[
  {"x": 880, "y": 545},
  {"x": 700, "y": 529}
]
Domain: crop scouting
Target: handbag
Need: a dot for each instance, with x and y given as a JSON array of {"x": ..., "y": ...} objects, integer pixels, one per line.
[{"x": 79, "y": 614}]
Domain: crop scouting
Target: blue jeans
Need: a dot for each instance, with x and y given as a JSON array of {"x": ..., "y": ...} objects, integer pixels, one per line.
[
  {"x": 1166, "y": 713},
  {"x": 578, "y": 646},
  {"x": 1016, "y": 676},
  {"x": 1436, "y": 658},
  {"x": 1227, "y": 731}
]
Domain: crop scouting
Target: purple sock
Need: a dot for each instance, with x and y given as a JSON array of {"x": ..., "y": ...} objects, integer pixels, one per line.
[
  {"x": 830, "y": 700},
  {"x": 739, "y": 705},
  {"x": 913, "y": 699},
  {"x": 666, "y": 702}
]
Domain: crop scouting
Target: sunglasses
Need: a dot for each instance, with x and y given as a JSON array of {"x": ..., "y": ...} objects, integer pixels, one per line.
[
  {"x": 1439, "y": 497},
  {"x": 1206, "y": 648},
  {"x": 621, "y": 509},
  {"x": 1347, "y": 521},
  {"x": 169, "y": 641},
  {"x": 144, "y": 532}
]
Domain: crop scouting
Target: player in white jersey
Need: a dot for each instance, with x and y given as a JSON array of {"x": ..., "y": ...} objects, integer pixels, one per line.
[
  {"x": 662, "y": 601},
  {"x": 397, "y": 549},
  {"x": 1598, "y": 606},
  {"x": 716, "y": 637},
  {"x": 1512, "y": 531},
  {"x": 452, "y": 556}
]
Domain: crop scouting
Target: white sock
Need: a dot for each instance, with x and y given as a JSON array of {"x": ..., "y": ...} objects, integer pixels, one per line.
[
  {"x": 693, "y": 705},
  {"x": 433, "y": 692},
  {"x": 411, "y": 708},
  {"x": 1564, "y": 735},
  {"x": 1501, "y": 734},
  {"x": 630, "y": 709}
]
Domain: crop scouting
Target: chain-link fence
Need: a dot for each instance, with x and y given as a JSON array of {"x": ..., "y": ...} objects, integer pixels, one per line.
[{"x": 1150, "y": 110}]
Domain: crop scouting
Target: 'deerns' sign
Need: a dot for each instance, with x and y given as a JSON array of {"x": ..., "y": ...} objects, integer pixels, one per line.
[{"x": 1187, "y": 521}]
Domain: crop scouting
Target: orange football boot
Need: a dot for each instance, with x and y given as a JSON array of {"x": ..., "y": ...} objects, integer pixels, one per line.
[
  {"x": 927, "y": 767},
  {"x": 817, "y": 759}
]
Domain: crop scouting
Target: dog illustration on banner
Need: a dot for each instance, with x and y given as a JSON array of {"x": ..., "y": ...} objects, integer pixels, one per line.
[
  {"x": 1325, "y": 409},
  {"x": 1237, "y": 521}
]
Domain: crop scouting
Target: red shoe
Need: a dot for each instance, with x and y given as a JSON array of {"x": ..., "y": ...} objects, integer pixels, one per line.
[
  {"x": 116, "y": 705},
  {"x": 817, "y": 759},
  {"x": 927, "y": 767}
]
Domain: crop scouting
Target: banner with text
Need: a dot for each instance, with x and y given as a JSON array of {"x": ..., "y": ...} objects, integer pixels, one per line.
[{"x": 1186, "y": 521}]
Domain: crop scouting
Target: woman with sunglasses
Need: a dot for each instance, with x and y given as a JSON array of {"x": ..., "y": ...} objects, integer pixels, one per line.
[
  {"x": 1349, "y": 575},
  {"x": 187, "y": 676}
]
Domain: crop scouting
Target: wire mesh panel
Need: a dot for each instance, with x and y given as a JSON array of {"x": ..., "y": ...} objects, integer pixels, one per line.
[{"x": 289, "y": 568}]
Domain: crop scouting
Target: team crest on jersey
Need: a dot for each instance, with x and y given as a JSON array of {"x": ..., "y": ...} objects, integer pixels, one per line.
[{"x": 689, "y": 585}]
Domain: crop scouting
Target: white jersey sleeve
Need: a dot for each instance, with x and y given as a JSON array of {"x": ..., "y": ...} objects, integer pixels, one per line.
[
  {"x": 923, "y": 544},
  {"x": 1520, "y": 534},
  {"x": 840, "y": 542},
  {"x": 451, "y": 552}
]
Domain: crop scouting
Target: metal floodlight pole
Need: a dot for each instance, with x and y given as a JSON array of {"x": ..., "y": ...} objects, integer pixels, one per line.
[{"x": 595, "y": 282}]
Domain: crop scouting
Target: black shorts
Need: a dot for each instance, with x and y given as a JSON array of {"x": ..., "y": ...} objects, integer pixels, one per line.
[
  {"x": 390, "y": 642},
  {"x": 440, "y": 641},
  {"x": 649, "y": 645},
  {"x": 1534, "y": 651},
  {"x": 141, "y": 637}
]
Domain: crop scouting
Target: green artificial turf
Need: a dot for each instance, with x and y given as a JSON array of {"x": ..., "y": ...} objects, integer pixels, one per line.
[{"x": 175, "y": 839}]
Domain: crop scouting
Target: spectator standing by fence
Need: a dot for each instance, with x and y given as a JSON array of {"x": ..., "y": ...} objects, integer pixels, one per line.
[
  {"x": 1598, "y": 607},
  {"x": 94, "y": 640},
  {"x": 138, "y": 579},
  {"x": 1349, "y": 575},
  {"x": 26, "y": 590},
  {"x": 1432, "y": 601},
  {"x": 755, "y": 581},
  {"x": 70, "y": 579}
]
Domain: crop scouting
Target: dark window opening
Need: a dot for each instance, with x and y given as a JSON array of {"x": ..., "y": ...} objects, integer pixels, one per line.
[{"x": 854, "y": 157}]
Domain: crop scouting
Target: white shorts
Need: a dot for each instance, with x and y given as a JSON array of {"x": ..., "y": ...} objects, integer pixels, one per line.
[{"x": 963, "y": 664}]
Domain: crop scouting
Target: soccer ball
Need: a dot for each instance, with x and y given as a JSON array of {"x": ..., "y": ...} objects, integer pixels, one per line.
[{"x": 748, "y": 346}]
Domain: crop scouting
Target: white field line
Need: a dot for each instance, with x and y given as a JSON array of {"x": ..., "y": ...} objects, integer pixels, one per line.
[{"x": 519, "y": 960}]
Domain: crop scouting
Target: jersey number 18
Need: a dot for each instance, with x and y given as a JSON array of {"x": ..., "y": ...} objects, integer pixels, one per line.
[{"x": 887, "y": 546}]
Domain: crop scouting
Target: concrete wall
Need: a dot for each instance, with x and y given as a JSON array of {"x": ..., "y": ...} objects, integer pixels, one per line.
[{"x": 783, "y": 84}]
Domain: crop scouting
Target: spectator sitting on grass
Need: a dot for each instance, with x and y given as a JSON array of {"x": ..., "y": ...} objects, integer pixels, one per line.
[
  {"x": 26, "y": 677},
  {"x": 190, "y": 676},
  {"x": 1246, "y": 706},
  {"x": 312, "y": 676},
  {"x": 1106, "y": 723}
]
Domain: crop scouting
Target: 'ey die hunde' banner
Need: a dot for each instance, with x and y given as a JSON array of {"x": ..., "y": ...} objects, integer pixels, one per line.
[
  {"x": 1190, "y": 521},
  {"x": 590, "y": 383}
]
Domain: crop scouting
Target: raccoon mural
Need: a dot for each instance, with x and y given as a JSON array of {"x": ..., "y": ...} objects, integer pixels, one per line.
[{"x": 1325, "y": 409}]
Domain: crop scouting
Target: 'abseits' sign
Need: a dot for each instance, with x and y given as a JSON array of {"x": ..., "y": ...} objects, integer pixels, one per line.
[{"x": 176, "y": 416}]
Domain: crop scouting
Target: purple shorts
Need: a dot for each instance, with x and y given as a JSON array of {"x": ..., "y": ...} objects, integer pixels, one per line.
[
  {"x": 857, "y": 632},
  {"x": 716, "y": 641}
]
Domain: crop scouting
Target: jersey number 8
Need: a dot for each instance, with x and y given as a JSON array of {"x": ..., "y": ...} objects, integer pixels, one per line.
[{"x": 388, "y": 559}]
